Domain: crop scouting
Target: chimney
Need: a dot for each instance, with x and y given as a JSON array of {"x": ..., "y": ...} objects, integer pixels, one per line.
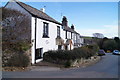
[
  {"x": 42, "y": 9},
  {"x": 64, "y": 21},
  {"x": 72, "y": 27}
]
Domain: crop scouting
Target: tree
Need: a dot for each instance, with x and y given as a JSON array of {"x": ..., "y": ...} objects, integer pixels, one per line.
[
  {"x": 118, "y": 45},
  {"x": 109, "y": 45},
  {"x": 116, "y": 39},
  {"x": 100, "y": 41},
  {"x": 16, "y": 35},
  {"x": 105, "y": 38},
  {"x": 15, "y": 28},
  {"x": 98, "y": 35}
]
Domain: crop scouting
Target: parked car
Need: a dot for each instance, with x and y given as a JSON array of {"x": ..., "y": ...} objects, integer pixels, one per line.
[
  {"x": 108, "y": 51},
  {"x": 101, "y": 52},
  {"x": 116, "y": 52}
]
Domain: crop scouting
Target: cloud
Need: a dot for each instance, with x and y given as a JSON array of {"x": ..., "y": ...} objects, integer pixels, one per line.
[
  {"x": 111, "y": 30},
  {"x": 107, "y": 30}
]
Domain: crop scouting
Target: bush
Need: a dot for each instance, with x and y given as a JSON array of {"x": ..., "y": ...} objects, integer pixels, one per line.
[
  {"x": 67, "y": 64},
  {"x": 18, "y": 60},
  {"x": 94, "y": 47},
  {"x": 64, "y": 56},
  {"x": 56, "y": 56}
]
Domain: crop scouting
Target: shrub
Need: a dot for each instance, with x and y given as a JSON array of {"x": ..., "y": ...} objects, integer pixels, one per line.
[
  {"x": 94, "y": 47},
  {"x": 64, "y": 56},
  {"x": 67, "y": 64},
  {"x": 18, "y": 60},
  {"x": 56, "y": 56}
]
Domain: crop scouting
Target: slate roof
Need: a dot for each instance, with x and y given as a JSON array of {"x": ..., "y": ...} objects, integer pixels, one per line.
[
  {"x": 37, "y": 13},
  {"x": 69, "y": 29}
]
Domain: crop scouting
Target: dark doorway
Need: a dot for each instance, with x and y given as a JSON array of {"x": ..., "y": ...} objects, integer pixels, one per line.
[
  {"x": 38, "y": 53},
  {"x": 66, "y": 47}
]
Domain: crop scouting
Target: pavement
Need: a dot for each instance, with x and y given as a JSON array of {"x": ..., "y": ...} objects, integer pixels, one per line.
[{"x": 44, "y": 68}]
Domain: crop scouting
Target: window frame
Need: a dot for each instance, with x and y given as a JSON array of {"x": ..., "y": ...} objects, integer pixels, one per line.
[
  {"x": 66, "y": 34},
  {"x": 58, "y": 31},
  {"x": 71, "y": 35},
  {"x": 45, "y": 30}
]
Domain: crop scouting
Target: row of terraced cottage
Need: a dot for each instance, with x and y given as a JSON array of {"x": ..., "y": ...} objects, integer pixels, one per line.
[{"x": 46, "y": 33}]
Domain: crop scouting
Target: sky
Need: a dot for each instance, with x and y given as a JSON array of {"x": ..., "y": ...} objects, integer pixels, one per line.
[{"x": 87, "y": 17}]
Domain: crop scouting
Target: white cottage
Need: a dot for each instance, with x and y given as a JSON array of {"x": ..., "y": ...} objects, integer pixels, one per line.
[
  {"x": 45, "y": 32},
  {"x": 72, "y": 39}
]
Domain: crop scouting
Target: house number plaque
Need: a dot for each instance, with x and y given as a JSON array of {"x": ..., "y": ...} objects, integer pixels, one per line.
[{"x": 47, "y": 42}]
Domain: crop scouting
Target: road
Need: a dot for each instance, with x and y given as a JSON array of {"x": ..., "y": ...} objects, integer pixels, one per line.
[{"x": 107, "y": 67}]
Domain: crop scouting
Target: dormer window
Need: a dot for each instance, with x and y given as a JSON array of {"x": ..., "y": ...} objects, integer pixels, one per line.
[{"x": 45, "y": 30}]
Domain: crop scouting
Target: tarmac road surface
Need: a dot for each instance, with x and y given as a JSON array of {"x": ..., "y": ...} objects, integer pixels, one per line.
[{"x": 107, "y": 67}]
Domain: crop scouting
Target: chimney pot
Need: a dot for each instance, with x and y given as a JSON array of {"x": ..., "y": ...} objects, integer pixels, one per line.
[
  {"x": 42, "y": 9},
  {"x": 72, "y": 27},
  {"x": 64, "y": 21}
]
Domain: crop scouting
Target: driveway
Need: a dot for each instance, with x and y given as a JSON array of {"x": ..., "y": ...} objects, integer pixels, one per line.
[{"x": 107, "y": 67}]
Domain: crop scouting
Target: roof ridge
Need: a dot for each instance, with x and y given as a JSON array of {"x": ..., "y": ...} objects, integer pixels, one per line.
[
  {"x": 35, "y": 13},
  {"x": 30, "y": 6}
]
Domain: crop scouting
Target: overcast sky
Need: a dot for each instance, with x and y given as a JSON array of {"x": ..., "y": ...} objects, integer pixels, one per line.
[{"x": 88, "y": 17}]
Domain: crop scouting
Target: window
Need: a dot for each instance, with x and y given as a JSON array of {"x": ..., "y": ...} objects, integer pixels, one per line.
[
  {"x": 66, "y": 34},
  {"x": 59, "y": 47},
  {"x": 58, "y": 31},
  {"x": 71, "y": 35},
  {"x": 38, "y": 53},
  {"x": 45, "y": 30}
]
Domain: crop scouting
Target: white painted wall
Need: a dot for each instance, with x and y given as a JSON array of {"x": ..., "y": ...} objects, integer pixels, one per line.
[
  {"x": 45, "y": 43},
  {"x": 68, "y": 35},
  {"x": 81, "y": 41},
  {"x": 74, "y": 37}
]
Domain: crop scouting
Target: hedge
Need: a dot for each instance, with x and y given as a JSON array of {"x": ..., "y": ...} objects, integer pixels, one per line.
[{"x": 65, "y": 56}]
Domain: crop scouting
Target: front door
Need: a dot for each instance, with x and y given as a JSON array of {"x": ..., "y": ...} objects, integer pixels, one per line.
[
  {"x": 38, "y": 53},
  {"x": 66, "y": 47}
]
